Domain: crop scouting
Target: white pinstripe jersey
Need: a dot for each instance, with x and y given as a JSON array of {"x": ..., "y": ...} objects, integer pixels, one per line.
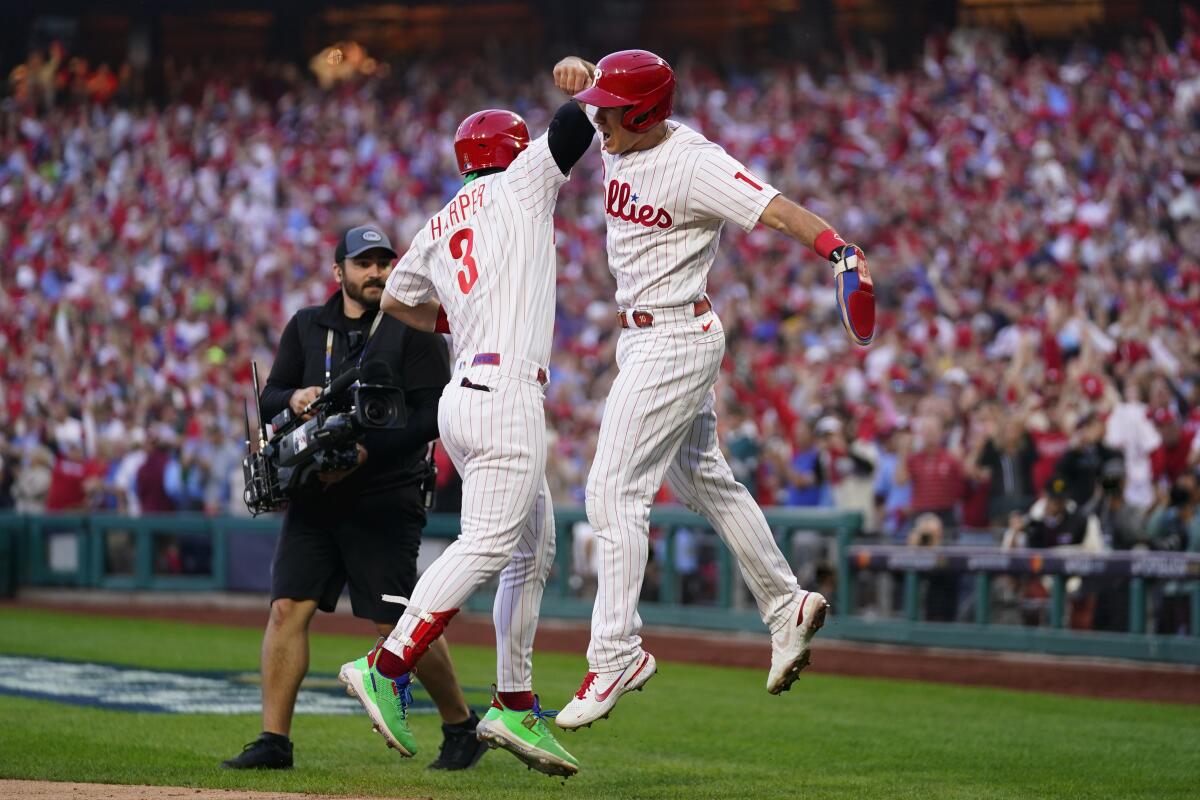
[
  {"x": 489, "y": 257},
  {"x": 665, "y": 209}
]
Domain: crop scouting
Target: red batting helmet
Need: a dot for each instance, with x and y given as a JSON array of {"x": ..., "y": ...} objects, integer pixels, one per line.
[
  {"x": 633, "y": 78},
  {"x": 488, "y": 139}
]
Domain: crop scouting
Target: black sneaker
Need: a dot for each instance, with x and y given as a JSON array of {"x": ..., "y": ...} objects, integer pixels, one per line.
[
  {"x": 460, "y": 748},
  {"x": 268, "y": 751}
]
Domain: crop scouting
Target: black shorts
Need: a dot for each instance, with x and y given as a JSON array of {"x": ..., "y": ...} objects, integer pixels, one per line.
[{"x": 370, "y": 542}]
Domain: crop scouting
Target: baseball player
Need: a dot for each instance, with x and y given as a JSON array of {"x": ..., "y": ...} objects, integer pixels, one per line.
[
  {"x": 668, "y": 193},
  {"x": 485, "y": 266}
]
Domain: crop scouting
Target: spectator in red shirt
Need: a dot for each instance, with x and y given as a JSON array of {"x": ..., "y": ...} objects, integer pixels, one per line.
[
  {"x": 151, "y": 476},
  {"x": 978, "y": 479},
  {"x": 1051, "y": 443},
  {"x": 938, "y": 482},
  {"x": 1170, "y": 460},
  {"x": 74, "y": 480}
]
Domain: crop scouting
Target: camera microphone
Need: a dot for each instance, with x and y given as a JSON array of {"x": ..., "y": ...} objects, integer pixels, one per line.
[{"x": 336, "y": 386}]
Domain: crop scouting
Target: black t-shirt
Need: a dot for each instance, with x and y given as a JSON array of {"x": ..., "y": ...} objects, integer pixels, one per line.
[
  {"x": 419, "y": 363},
  {"x": 1011, "y": 473},
  {"x": 1081, "y": 468},
  {"x": 1068, "y": 528}
]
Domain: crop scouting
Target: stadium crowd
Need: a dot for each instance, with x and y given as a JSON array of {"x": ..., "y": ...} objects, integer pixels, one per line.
[{"x": 1033, "y": 225}]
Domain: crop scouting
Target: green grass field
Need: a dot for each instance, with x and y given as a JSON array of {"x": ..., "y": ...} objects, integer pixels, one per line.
[{"x": 696, "y": 732}]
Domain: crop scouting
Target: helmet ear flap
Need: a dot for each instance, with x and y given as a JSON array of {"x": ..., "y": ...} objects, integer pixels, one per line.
[{"x": 639, "y": 118}]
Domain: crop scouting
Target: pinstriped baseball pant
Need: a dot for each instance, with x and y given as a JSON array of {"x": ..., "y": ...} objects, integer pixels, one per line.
[
  {"x": 497, "y": 441},
  {"x": 660, "y": 422}
]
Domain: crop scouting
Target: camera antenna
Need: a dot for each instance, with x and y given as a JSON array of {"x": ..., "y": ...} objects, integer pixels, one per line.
[
  {"x": 246, "y": 417},
  {"x": 262, "y": 428}
]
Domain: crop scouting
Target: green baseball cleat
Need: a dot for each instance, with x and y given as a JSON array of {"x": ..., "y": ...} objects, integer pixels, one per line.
[
  {"x": 386, "y": 701},
  {"x": 526, "y": 735}
]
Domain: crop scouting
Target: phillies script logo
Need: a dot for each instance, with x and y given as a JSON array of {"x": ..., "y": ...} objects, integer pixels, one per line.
[{"x": 622, "y": 204}]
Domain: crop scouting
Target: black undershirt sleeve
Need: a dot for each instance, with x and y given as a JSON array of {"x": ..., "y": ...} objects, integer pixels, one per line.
[
  {"x": 569, "y": 135},
  {"x": 287, "y": 372}
]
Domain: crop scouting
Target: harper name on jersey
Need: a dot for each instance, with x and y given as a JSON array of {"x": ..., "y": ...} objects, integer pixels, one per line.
[
  {"x": 460, "y": 209},
  {"x": 488, "y": 256}
]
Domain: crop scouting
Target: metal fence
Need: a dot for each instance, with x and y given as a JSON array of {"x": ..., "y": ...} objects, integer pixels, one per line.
[
  {"x": 233, "y": 553},
  {"x": 1126, "y": 579},
  {"x": 196, "y": 553}
]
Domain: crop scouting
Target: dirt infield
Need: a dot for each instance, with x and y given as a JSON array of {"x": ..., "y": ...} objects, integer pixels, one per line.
[
  {"x": 46, "y": 790},
  {"x": 1081, "y": 677}
]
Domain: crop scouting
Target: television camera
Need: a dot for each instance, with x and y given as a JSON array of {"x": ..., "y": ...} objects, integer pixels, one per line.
[{"x": 323, "y": 438}]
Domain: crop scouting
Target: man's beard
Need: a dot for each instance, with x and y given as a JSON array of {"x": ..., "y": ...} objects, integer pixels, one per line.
[{"x": 358, "y": 294}]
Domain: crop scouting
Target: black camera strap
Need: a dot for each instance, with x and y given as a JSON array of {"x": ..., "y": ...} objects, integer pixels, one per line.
[{"x": 361, "y": 355}]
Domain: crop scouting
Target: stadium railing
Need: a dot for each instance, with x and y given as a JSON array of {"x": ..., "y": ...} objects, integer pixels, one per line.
[
  {"x": 174, "y": 552},
  {"x": 1134, "y": 570},
  {"x": 235, "y": 552}
]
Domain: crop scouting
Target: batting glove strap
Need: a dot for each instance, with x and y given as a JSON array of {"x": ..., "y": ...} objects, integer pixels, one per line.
[{"x": 855, "y": 292}]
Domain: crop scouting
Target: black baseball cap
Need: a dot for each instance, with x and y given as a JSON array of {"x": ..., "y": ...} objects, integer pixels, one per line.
[
  {"x": 1056, "y": 487},
  {"x": 357, "y": 241}
]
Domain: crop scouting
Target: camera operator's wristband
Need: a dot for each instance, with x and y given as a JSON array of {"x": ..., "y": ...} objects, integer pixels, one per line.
[{"x": 442, "y": 325}]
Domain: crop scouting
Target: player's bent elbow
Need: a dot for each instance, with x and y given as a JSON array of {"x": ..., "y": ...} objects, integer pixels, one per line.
[
  {"x": 405, "y": 313},
  {"x": 390, "y": 305},
  {"x": 775, "y": 214}
]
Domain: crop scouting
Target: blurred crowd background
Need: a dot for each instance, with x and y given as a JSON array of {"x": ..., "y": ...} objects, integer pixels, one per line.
[{"x": 1031, "y": 213}]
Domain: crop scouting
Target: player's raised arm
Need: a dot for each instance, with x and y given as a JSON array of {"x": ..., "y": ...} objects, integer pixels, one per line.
[
  {"x": 855, "y": 289},
  {"x": 572, "y": 75},
  {"x": 723, "y": 188},
  {"x": 794, "y": 220},
  {"x": 569, "y": 136},
  {"x": 543, "y": 166}
]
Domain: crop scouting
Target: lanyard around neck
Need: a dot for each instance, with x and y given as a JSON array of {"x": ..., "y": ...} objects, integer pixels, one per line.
[{"x": 362, "y": 353}]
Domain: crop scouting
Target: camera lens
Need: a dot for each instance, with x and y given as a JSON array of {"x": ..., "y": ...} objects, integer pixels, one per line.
[{"x": 376, "y": 410}]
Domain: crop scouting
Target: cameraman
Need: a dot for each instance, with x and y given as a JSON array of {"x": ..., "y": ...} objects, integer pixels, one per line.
[
  {"x": 360, "y": 526},
  {"x": 1123, "y": 527}
]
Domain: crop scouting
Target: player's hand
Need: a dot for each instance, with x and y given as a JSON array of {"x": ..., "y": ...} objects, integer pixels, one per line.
[
  {"x": 301, "y": 398},
  {"x": 573, "y": 74},
  {"x": 855, "y": 292},
  {"x": 333, "y": 476}
]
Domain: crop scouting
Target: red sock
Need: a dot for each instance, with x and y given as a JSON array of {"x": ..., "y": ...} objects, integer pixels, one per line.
[
  {"x": 516, "y": 701},
  {"x": 389, "y": 664}
]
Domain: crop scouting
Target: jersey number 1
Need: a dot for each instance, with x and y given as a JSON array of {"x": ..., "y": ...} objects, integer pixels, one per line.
[
  {"x": 461, "y": 244},
  {"x": 744, "y": 177}
]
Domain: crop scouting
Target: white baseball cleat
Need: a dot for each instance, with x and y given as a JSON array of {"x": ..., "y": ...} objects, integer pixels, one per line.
[
  {"x": 600, "y": 691},
  {"x": 790, "y": 651}
]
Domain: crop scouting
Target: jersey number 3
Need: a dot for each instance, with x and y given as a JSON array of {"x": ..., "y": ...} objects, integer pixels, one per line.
[{"x": 461, "y": 245}]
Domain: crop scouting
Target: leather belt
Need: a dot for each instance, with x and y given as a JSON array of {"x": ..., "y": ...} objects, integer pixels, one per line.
[
  {"x": 645, "y": 319},
  {"x": 493, "y": 360}
]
